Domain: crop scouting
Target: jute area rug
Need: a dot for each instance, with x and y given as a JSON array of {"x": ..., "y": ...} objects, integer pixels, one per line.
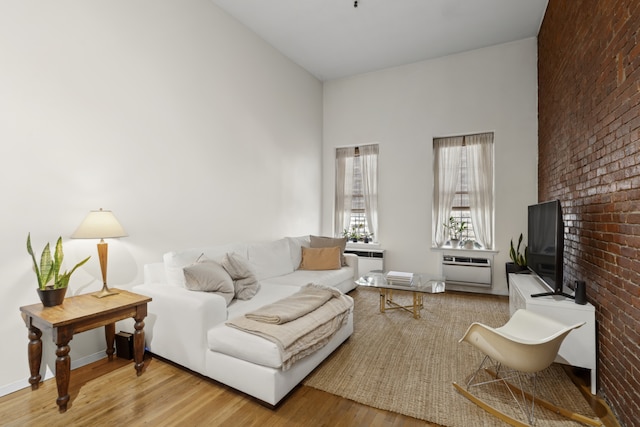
[{"x": 405, "y": 365}]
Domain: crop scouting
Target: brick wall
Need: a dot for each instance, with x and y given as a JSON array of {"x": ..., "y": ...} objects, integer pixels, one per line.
[{"x": 589, "y": 158}]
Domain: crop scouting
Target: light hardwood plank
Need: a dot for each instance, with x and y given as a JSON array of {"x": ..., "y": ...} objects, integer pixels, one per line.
[{"x": 109, "y": 393}]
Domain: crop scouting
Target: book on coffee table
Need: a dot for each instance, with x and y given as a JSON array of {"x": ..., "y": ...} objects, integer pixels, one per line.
[{"x": 399, "y": 278}]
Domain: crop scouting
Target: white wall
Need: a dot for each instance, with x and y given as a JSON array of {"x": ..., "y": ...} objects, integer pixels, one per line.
[
  {"x": 186, "y": 125},
  {"x": 404, "y": 108}
]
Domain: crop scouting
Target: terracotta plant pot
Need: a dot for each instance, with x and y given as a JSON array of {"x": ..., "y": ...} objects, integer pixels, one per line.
[{"x": 52, "y": 297}]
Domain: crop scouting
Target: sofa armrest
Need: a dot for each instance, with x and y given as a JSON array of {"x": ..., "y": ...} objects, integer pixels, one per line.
[
  {"x": 352, "y": 261},
  {"x": 178, "y": 320}
]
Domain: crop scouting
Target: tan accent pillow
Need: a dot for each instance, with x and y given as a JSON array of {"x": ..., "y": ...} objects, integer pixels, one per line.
[
  {"x": 245, "y": 284},
  {"x": 329, "y": 242},
  {"x": 209, "y": 276},
  {"x": 321, "y": 258}
]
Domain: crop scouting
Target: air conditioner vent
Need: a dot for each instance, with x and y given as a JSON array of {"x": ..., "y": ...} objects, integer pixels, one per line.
[{"x": 470, "y": 271}]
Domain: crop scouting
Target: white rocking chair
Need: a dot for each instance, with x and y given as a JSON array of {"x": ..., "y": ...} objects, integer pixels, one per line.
[{"x": 527, "y": 343}]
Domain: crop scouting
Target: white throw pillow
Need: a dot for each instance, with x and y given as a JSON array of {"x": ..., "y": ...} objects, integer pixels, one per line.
[
  {"x": 270, "y": 259},
  {"x": 175, "y": 262}
]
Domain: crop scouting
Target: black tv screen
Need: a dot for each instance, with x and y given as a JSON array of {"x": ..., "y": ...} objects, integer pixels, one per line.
[{"x": 546, "y": 245}]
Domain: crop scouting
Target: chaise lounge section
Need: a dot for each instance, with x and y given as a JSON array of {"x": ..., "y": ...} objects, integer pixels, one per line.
[{"x": 189, "y": 327}]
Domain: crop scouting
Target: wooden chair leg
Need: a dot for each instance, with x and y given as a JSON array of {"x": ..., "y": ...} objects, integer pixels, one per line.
[
  {"x": 550, "y": 406},
  {"x": 490, "y": 409}
]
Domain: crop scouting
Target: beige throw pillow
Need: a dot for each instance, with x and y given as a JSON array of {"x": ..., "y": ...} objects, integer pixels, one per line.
[
  {"x": 209, "y": 276},
  {"x": 329, "y": 242},
  {"x": 321, "y": 258},
  {"x": 245, "y": 284}
]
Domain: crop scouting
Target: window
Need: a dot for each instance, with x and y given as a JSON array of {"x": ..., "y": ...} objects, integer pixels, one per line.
[
  {"x": 463, "y": 190},
  {"x": 460, "y": 209},
  {"x": 358, "y": 217},
  {"x": 356, "y": 197}
]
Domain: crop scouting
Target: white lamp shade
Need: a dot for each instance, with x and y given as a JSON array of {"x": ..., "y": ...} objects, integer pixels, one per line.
[{"x": 99, "y": 224}]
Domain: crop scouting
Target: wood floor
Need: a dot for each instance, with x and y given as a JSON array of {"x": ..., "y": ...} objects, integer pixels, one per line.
[{"x": 110, "y": 394}]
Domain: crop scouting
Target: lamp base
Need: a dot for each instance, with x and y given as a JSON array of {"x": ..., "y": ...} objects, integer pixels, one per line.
[{"x": 105, "y": 292}]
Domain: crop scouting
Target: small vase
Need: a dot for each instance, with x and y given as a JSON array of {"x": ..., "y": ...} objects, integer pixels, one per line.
[{"x": 52, "y": 297}]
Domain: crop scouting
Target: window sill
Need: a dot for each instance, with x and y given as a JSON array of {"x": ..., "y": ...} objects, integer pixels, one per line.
[
  {"x": 452, "y": 249},
  {"x": 363, "y": 246}
]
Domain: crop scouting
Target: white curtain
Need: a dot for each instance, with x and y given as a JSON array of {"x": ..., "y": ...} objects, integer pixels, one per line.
[
  {"x": 446, "y": 166},
  {"x": 480, "y": 176},
  {"x": 344, "y": 189},
  {"x": 369, "y": 163}
]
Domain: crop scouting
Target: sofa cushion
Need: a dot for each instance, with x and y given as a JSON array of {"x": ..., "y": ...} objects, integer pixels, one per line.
[
  {"x": 245, "y": 283},
  {"x": 241, "y": 345},
  {"x": 295, "y": 246},
  {"x": 175, "y": 261},
  {"x": 335, "y": 278},
  {"x": 321, "y": 258},
  {"x": 328, "y": 242},
  {"x": 246, "y": 346},
  {"x": 209, "y": 276},
  {"x": 270, "y": 259}
]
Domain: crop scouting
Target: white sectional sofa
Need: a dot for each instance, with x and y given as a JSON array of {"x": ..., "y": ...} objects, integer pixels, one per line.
[{"x": 188, "y": 327}]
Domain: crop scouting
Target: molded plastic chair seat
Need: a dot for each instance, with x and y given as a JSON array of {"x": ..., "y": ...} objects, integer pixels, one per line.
[{"x": 528, "y": 342}]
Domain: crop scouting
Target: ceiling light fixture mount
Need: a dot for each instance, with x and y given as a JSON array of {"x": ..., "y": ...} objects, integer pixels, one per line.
[{"x": 355, "y": 3}]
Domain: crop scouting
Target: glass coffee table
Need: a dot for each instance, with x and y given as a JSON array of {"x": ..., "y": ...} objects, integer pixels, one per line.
[{"x": 417, "y": 283}]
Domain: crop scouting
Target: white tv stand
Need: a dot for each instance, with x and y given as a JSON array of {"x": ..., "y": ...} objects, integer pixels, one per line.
[{"x": 579, "y": 347}]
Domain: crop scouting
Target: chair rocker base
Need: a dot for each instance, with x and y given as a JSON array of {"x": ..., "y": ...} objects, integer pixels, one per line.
[
  {"x": 517, "y": 423},
  {"x": 490, "y": 409}
]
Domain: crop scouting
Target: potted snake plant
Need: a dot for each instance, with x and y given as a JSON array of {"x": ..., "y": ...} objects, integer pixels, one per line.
[
  {"x": 518, "y": 259},
  {"x": 52, "y": 285}
]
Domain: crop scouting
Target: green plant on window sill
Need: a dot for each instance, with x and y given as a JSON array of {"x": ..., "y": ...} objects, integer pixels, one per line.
[
  {"x": 350, "y": 235},
  {"x": 456, "y": 228},
  {"x": 48, "y": 271},
  {"x": 355, "y": 235}
]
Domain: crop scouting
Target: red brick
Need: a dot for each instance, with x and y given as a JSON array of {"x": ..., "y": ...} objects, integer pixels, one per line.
[{"x": 589, "y": 158}]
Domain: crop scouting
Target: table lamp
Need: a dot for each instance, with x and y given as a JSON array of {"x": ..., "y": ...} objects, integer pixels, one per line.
[{"x": 101, "y": 225}]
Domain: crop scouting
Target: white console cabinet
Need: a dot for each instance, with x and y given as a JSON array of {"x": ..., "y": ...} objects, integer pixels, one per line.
[{"x": 579, "y": 347}]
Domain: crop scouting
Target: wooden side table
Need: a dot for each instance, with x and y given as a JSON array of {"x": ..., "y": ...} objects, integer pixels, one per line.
[{"x": 79, "y": 314}]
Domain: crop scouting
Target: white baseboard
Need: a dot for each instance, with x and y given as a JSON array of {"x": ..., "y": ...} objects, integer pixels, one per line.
[{"x": 24, "y": 383}]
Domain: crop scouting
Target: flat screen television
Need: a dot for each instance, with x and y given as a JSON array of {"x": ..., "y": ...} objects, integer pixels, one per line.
[{"x": 545, "y": 248}]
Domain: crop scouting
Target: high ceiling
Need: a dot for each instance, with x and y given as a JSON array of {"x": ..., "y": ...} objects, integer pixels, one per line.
[{"x": 333, "y": 39}]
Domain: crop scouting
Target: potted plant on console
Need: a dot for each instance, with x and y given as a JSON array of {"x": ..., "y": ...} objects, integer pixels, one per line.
[
  {"x": 52, "y": 285},
  {"x": 518, "y": 259}
]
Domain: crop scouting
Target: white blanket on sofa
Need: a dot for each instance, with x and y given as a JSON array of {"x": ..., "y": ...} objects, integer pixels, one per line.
[
  {"x": 303, "y": 335},
  {"x": 308, "y": 298}
]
